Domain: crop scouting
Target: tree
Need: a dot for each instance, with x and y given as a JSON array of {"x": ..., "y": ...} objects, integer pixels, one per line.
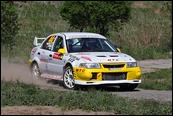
[
  {"x": 98, "y": 16},
  {"x": 9, "y": 23}
]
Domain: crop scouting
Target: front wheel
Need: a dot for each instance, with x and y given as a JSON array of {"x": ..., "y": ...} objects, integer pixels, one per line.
[
  {"x": 35, "y": 71},
  {"x": 128, "y": 87},
  {"x": 68, "y": 78}
]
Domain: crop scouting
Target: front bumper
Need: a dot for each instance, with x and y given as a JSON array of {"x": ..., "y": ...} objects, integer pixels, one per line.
[
  {"x": 30, "y": 61},
  {"x": 85, "y": 76}
]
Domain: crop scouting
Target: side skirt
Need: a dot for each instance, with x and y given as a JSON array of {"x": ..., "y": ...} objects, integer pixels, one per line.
[{"x": 50, "y": 76}]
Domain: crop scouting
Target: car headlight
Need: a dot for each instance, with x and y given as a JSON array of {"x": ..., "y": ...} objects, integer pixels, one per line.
[
  {"x": 131, "y": 64},
  {"x": 89, "y": 65}
]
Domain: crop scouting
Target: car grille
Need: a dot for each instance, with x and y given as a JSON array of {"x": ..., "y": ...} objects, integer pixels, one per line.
[
  {"x": 114, "y": 76},
  {"x": 114, "y": 66}
]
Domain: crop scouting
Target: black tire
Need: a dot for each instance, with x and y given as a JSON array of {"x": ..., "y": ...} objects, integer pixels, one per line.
[
  {"x": 68, "y": 78},
  {"x": 128, "y": 87},
  {"x": 35, "y": 71}
]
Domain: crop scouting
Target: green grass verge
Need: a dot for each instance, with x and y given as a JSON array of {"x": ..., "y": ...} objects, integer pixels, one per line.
[
  {"x": 159, "y": 80},
  {"x": 13, "y": 94}
]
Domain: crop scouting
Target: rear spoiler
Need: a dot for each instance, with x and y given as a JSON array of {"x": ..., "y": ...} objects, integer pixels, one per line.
[{"x": 37, "y": 42}]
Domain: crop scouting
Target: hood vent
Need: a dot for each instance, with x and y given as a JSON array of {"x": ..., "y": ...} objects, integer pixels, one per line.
[
  {"x": 113, "y": 55},
  {"x": 101, "y": 56}
]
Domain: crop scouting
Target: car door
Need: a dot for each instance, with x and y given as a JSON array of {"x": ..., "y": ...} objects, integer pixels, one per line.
[
  {"x": 45, "y": 51},
  {"x": 56, "y": 63}
]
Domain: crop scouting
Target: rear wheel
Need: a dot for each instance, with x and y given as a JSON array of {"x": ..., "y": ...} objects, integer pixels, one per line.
[
  {"x": 128, "y": 87},
  {"x": 68, "y": 78},
  {"x": 35, "y": 71}
]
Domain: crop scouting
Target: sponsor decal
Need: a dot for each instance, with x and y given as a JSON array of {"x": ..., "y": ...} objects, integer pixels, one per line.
[
  {"x": 80, "y": 70},
  {"x": 43, "y": 60},
  {"x": 73, "y": 58},
  {"x": 57, "y": 77},
  {"x": 51, "y": 39},
  {"x": 112, "y": 59},
  {"x": 86, "y": 58},
  {"x": 83, "y": 53},
  {"x": 57, "y": 55}
]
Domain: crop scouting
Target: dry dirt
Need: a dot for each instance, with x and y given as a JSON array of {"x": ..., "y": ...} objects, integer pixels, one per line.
[{"x": 21, "y": 72}]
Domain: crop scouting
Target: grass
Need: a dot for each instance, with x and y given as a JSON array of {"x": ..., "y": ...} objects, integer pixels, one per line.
[
  {"x": 159, "y": 80},
  {"x": 13, "y": 94},
  {"x": 147, "y": 35}
]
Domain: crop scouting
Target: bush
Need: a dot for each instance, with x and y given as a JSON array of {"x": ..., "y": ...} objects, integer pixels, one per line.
[{"x": 9, "y": 23}]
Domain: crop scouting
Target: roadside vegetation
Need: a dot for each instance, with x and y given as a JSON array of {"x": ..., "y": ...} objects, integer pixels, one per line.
[
  {"x": 16, "y": 94},
  {"x": 147, "y": 34},
  {"x": 158, "y": 80}
]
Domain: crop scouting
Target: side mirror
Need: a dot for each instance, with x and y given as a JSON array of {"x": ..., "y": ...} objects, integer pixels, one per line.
[
  {"x": 61, "y": 50},
  {"x": 118, "y": 49}
]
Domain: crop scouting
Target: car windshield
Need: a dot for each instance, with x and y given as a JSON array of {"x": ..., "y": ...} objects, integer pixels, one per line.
[{"x": 90, "y": 45}]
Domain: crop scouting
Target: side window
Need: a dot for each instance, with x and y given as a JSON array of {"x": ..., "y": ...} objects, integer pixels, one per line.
[
  {"x": 47, "y": 45},
  {"x": 58, "y": 44}
]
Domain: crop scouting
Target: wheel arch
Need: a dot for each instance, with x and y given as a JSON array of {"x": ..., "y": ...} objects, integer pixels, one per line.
[
  {"x": 68, "y": 64},
  {"x": 35, "y": 60},
  {"x": 33, "y": 63}
]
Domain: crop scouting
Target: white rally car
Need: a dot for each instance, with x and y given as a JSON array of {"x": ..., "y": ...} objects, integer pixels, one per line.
[{"x": 83, "y": 58}]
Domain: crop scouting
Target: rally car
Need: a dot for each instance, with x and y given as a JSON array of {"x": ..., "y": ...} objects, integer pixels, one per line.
[{"x": 83, "y": 58}]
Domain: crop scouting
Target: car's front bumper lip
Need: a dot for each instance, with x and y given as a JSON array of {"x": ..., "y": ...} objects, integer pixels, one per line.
[
  {"x": 30, "y": 61},
  {"x": 107, "y": 82}
]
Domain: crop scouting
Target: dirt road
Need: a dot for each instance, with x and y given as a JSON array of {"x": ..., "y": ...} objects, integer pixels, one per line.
[
  {"x": 152, "y": 65},
  {"x": 21, "y": 72}
]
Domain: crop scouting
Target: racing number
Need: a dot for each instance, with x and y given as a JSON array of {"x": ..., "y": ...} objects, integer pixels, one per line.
[{"x": 51, "y": 39}]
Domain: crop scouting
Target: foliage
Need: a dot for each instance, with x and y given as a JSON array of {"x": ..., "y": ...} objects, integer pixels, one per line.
[
  {"x": 167, "y": 6},
  {"x": 159, "y": 80},
  {"x": 167, "y": 9},
  {"x": 97, "y": 16},
  {"x": 9, "y": 23},
  {"x": 91, "y": 100},
  {"x": 147, "y": 35}
]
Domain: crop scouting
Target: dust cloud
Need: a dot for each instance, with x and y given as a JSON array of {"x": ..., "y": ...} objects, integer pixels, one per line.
[{"x": 18, "y": 72}]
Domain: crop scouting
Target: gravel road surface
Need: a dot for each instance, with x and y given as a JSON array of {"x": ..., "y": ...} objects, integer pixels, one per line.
[
  {"x": 13, "y": 71},
  {"x": 21, "y": 72}
]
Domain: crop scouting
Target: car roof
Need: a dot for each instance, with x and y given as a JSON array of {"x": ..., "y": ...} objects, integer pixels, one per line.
[{"x": 70, "y": 35}]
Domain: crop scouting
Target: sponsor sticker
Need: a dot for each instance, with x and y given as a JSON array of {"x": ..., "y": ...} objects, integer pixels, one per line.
[
  {"x": 57, "y": 77},
  {"x": 43, "y": 60},
  {"x": 80, "y": 70},
  {"x": 86, "y": 58},
  {"x": 57, "y": 55}
]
